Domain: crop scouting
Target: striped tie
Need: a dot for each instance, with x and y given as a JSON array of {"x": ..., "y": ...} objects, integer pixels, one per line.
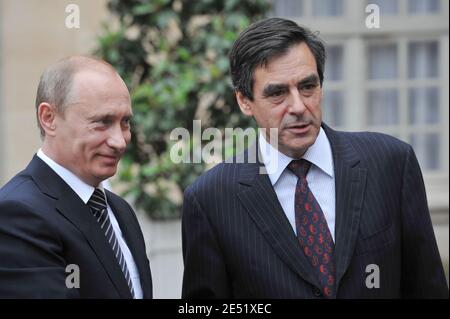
[{"x": 97, "y": 204}]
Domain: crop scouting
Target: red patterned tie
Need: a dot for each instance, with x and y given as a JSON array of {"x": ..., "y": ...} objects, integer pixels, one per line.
[{"x": 312, "y": 229}]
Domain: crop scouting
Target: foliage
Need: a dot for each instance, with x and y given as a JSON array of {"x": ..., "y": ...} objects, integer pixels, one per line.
[{"x": 173, "y": 55}]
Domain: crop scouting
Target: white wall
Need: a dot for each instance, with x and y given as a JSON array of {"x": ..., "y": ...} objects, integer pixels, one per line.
[{"x": 163, "y": 242}]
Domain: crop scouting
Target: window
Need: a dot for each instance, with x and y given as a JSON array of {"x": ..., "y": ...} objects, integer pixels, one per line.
[
  {"x": 387, "y": 7},
  {"x": 423, "y": 106},
  {"x": 407, "y": 104},
  {"x": 423, "y": 59},
  {"x": 426, "y": 146},
  {"x": 382, "y": 107},
  {"x": 382, "y": 96},
  {"x": 423, "y": 6},
  {"x": 333, "y": 103},
  {"x": 382, "y": 62},
  {"x": 289, "y": 8},
  {"x": 327, "y": 8},
  {"x": 334, "y": 63},
  {"x": 308, "y": 8},
  {"x": 333, "y": 108},
  {"x": 424, "y": 102}
]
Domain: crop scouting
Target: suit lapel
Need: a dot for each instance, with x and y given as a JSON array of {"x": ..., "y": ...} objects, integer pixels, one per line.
[
  {"x": 80, "y": 215},
  {"x": 350, "y": 181},
  {"x": 261, "y": 202},
  {"x": 72, "y": 207},
  {"x": 130, "y": 232}
]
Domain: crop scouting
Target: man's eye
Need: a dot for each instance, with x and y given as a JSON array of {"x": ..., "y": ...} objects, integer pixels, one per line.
[
  {"x": 277, "y": 93},
  {"x": 309, "y": 87},
  {"x": 104, "y": 121}
]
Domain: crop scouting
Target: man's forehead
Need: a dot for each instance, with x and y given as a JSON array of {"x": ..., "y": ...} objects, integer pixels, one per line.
[
  {"x": 85, "y": 77},
  {"x": 87, "y": 84},
  {"x": 112, "y": 107},
  {"x": 110, "y": 113},
  {"x": 122, "y": 100},
  {"x": 298, "y": 55}
]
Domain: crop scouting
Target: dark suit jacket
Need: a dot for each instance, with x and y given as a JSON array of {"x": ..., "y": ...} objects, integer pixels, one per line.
[
  {"x": 238, "y": 243},
  {"x": 45, "y": 226}
]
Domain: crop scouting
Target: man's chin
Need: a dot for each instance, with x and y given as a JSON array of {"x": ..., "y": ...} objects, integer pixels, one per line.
[
  {"x": 296, "y": 149},
  {"x": 106, "y": 172}
]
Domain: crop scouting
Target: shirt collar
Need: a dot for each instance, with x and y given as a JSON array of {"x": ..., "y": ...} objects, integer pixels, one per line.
[
  {"x": 319, "y": 154},
  {"x": 83, "y": 190}
]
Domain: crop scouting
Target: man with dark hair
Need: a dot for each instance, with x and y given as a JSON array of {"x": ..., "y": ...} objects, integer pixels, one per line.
[
  {"x": 338, "y": 214},
  {"x": 62, "y": 234}
]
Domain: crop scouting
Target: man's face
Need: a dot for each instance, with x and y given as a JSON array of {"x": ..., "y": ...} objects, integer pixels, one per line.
[
  {"x": 92, "y": 134},
  {"x": 287, "y": 96}
]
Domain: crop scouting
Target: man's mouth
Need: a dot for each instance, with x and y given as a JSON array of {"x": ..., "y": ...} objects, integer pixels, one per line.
[
  {"x": 300, "y": 128},
  {"x": 110, "y": 157}
]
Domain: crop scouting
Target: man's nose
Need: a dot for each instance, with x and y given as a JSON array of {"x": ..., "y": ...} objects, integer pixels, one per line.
[
  {"x": 117, "y": 139},
  {"x": 296, "y": 105}
]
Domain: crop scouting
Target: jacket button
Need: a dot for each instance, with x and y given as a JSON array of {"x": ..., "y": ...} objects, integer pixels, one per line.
[{"x": 317, "y": 292}]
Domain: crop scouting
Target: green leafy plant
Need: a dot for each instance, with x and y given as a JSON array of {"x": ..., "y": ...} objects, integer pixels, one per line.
[{"x": 173, "y": 55}]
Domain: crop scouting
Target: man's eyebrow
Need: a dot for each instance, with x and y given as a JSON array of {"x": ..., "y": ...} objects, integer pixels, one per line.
[
  {"x": 272, "y": 88},
  {"x": 108, "y": 116},
  {"x": 100, "y": 116},
  {"x": 313, "y": 78}
]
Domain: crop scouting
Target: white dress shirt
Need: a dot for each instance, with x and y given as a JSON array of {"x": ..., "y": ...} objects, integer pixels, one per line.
[
  {"x": 85, "y": 191},
  {"x": 320, "y": 177}
]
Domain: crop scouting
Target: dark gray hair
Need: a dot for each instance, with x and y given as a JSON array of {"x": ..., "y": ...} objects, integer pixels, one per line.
[
  {"x": 55, "y": 84},
  {"x": 264, "y": 40}
]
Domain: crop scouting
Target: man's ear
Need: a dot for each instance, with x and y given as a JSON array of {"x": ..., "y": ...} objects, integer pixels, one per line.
[
  {"x": 244, "y": 104},
  {"x": 47, "y": 118}
]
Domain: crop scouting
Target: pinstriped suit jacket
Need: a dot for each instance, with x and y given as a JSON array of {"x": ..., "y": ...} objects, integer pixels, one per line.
[{"x": 238, "y": 243}]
